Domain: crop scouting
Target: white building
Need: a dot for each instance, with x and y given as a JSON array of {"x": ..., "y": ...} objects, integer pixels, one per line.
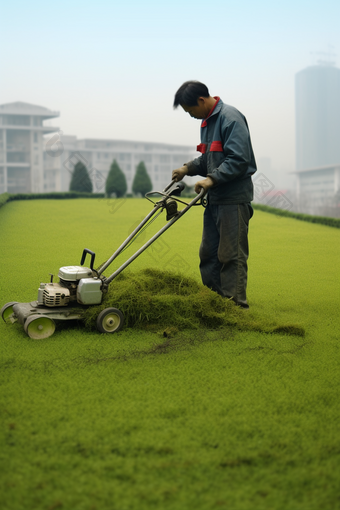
[
  {"x": 318, "y": 186},
  {"x": 63, "y": 152},
  {"x": 22, "y": 146},
  {"x": 31, "y": 162}
]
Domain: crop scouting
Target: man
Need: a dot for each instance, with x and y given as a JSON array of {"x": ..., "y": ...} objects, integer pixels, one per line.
[{"x": 227, "y": 163}]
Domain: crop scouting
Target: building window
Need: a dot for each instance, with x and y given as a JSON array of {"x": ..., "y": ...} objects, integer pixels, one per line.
[
  {"x": 17, "y": 120},
  {"x": 35, "y": 137},
  {"x": 164, "y": 159},
  {"x": 147, "y": 158}
]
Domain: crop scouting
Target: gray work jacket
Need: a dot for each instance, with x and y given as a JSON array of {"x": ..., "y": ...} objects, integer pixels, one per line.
[{"x": 227, "y": 156}]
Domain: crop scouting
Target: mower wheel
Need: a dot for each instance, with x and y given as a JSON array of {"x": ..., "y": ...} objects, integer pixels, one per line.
[
  {"x": 7, "y": 310},
  {"x": 38, "y": 327},
  {"x": 110, "y": 320}
]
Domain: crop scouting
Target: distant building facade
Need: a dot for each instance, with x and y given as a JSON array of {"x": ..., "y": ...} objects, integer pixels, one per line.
[
  {"x": 317, "y": 94},
  {"x": 39, "y": 158},
  {"x": 22, "y": 146},
  {"x": 97, "y": 155},
  {"x": 317, "y": 107},
  {"x": 319, "y": 190}
]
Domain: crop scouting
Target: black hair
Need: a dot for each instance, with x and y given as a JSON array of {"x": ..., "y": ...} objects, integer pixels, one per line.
[{"x": 189, "y": 92}]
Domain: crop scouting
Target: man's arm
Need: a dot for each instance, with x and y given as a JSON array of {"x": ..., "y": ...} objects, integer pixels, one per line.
[
  {"x": 195, "y": 167},
  {"x": 179, "y": 173},
  {"x": 205, "y": 184}
]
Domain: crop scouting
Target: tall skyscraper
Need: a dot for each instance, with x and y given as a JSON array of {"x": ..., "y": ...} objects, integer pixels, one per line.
[{"x": 317, "y": 103}]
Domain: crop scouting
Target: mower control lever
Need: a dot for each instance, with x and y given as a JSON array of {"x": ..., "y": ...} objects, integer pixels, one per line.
[
  {"x": 176, "y": 189},
  {"x": 84, "y": 256}
]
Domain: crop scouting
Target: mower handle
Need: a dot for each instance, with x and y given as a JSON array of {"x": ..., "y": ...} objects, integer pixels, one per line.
[
  {"x": 169, "y": 185},
  {"x": 157, "y": 206},
  {"x": 156, "y": 236},
  {"x": 176, "y": 189},
  {"x": 173, "y": 189}
]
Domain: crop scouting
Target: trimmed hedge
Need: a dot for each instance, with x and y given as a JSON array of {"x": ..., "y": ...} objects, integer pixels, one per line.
[
  {"x": 323, "y": 220},
  {"x": 7, "y": 197},
  {"x": 4, "y": 198}
]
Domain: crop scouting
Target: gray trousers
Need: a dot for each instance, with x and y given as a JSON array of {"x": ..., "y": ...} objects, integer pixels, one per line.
[{"x": 224, "y": 250}]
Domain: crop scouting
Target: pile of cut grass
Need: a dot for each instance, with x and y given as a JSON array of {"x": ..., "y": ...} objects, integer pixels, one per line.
[{"x": 154, "y": 299}]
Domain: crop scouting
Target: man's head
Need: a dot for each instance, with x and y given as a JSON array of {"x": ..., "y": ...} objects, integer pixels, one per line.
[{"x": 194, "y": 98}]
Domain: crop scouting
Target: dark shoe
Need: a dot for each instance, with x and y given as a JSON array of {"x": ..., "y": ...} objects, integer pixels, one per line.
[{"x": 244, "y": 306}]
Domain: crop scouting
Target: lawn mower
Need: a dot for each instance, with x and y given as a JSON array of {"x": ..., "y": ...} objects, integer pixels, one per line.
[{"x": 80, "y": 287}]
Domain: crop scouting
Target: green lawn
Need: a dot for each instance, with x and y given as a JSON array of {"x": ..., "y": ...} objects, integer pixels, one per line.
[{"x": 228, "y": 419}]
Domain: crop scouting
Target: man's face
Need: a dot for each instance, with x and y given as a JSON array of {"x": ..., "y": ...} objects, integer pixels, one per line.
[{"x": 198, "y": 111}]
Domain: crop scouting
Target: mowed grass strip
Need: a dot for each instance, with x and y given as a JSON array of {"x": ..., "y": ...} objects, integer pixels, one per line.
[
  {"x": 201, "y": 419},
  {"x": 153, "y": 299}
]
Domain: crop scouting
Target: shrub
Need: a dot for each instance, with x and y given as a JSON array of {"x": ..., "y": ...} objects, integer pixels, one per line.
[
  {"x": 80, "y": 179},
  {"x": 115, "y": 182},
  {"x": 141, "y": 182}
]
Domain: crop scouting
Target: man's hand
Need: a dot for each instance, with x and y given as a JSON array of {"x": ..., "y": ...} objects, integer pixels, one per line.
[
  {"x": 177, "y": 175},
  {"x": 205, "y": 184}
]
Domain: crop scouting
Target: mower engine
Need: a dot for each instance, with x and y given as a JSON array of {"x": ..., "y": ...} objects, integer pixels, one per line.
[{"x": 77, "y": 284}]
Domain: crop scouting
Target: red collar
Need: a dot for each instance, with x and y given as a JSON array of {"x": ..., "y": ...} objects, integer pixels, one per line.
[{"x": 204, "y": 123}]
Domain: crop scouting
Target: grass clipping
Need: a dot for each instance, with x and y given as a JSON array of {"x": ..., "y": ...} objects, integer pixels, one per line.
[{"x": 154, "y": 299}]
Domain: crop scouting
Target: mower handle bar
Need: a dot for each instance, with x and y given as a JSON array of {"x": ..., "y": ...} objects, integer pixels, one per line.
[
  {"x": 140, "y": 226},
  {"x": 152, "y": 239}
]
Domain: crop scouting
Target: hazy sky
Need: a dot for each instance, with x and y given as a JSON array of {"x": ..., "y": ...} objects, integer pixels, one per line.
[{"x": 111, "y": 68}]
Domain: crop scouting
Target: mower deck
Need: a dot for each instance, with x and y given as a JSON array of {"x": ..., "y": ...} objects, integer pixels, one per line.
[{"x": 21, "y": 312}]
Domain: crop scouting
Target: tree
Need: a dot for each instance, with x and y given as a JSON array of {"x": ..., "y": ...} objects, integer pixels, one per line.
[
  {"x": 80, "y": 180},
  {"x": 141, "y": 182},
  {"x": 115, "y": 182}
]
